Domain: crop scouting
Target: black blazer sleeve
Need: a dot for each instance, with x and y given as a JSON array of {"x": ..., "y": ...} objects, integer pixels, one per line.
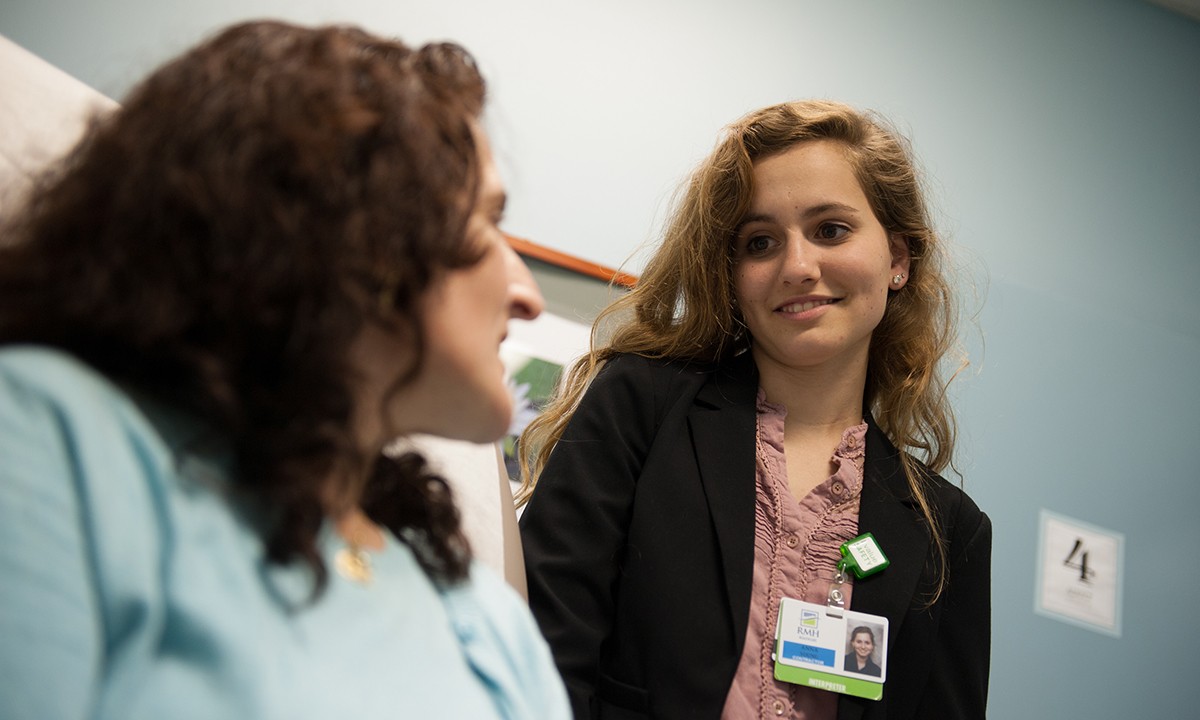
[
  {"x": 960, "y": 661},
  {"x": 939, "y": 654},
  {"x": 577, "y": 520}
]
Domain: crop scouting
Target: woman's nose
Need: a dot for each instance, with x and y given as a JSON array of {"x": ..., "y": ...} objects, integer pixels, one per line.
[
  {"x": 799, "y": 262},
  {"x": 524, "y": 298}
]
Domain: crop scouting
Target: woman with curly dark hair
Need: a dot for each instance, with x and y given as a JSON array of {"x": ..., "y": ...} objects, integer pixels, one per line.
[{"x": 280, "y": 254}]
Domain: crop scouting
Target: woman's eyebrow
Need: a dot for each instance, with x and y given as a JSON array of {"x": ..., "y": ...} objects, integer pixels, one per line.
[
  {"x": 827, "y": 207},
  {"x": 806, "y": 215},
  {"x": 757, "y": 217}
]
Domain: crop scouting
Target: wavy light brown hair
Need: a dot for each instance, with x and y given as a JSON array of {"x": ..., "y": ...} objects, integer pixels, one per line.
[
  {"x": 683, "y": 306},
  {"x": 221, "y": 240}
]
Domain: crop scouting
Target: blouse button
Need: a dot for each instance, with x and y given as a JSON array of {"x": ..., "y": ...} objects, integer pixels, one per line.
[
  {"x": 792, "y": 541},
  {"x": 838, "y": 488},
  {"x": 850, "y": 441},
  {"x": 778, "y": 707}
]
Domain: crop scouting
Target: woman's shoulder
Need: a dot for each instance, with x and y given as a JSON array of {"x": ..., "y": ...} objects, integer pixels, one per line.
[
  {"x": 502, "y": 643},
  {"x": 38, "y": 380},
  {"x": 670, "y": 376},
  {"x": 74, "y": 439},
  {"x": 49, "y": 394},
  {"x": 949, "y": 499},
  {"x": 80, "y": 504},
  {"x": 958, "y": 513},
  {"x": 485, "y": 600},
  {"x": 46, "y": 374},
  {"x": 632, "y": 364},
  {"x": 641, "y": 390},
  {"x": 947, "y": 491}
]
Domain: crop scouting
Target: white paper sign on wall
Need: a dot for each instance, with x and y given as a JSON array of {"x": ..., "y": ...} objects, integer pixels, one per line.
[{"x": 1080, "y": 573}]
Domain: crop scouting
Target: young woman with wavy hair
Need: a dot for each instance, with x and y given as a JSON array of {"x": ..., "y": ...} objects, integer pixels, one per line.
[
  {"x": 753, "y": 407},
  {"x": 279, "y": 255}
]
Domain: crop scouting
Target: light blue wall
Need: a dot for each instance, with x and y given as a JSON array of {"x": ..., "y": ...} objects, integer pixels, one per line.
[{"x": 1062, "y": 139}]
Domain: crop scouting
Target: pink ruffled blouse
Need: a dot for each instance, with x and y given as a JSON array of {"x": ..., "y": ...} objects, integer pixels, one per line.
[{"x": 796, "y": 550}]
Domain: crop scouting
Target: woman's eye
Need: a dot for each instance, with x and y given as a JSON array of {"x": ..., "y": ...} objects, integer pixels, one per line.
[
  {"x": 832, "y": 231},
  {"x": 758, "y": 244}
]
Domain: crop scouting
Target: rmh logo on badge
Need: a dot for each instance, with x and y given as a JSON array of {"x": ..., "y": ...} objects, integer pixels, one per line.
[{"x": 808, "y": 624}]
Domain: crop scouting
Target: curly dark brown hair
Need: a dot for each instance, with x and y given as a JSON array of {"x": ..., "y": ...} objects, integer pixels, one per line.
[{"x": 220, "y": 241}]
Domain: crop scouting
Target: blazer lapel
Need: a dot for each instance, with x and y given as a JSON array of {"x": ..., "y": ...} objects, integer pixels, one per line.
[
  {"x": 723, "y": 426},
  {"x": 887, "y": 511}
]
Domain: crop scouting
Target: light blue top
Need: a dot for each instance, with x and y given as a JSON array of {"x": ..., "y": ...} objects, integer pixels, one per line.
[{"x": 129, "y": 590}]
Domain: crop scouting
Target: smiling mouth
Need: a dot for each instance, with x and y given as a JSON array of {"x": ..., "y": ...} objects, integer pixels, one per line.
[{"x": 805, "y": 306}]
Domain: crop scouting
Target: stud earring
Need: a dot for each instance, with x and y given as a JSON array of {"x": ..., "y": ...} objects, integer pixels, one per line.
[{"x": 897, "y": 278}]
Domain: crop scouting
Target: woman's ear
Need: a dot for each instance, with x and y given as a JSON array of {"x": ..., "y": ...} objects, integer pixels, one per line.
[{"x": 901, "y": 260}]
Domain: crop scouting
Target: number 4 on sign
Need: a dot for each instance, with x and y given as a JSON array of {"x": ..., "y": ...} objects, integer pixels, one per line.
[
  {"x": 1079, "y": 573},
  {"x": 1085, "y": 573}
]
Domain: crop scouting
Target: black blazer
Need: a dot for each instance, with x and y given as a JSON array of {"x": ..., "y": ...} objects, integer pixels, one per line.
[{"x": 639, "y": 550}]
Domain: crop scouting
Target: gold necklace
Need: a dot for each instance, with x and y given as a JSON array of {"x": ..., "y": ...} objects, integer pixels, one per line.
[{"x": 354, "y": 564}]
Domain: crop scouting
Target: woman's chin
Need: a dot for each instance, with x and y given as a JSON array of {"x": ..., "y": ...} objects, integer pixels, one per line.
[{"x": 484, "y": 424}]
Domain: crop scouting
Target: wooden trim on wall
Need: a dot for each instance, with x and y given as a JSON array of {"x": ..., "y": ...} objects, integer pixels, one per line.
[{"x": 570, "y": 262}]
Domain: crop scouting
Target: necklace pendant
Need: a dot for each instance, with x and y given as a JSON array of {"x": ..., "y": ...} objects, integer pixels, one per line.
[{"x": 354, "y": 564}]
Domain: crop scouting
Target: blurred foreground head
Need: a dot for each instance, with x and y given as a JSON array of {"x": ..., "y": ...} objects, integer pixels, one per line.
[{"x": 222, "y": 239}]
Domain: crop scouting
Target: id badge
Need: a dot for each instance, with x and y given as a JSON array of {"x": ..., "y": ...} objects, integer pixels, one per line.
[{"x": 846, "y": 654}]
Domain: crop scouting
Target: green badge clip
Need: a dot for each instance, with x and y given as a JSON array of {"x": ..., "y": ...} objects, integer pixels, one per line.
[{"x": 862, "y": 556}]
